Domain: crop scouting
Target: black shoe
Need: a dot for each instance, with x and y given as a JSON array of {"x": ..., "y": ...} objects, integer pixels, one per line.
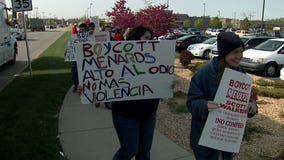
[{"x": 97, "y": 105}]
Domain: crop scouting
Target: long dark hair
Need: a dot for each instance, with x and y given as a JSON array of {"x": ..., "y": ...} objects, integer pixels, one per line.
[{"x": 137, "y": 32}]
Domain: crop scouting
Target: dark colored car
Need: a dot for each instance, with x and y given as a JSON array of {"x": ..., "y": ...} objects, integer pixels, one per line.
[
  {"x": 193, "y": 31},
  {"x": 184, "y": 41}
]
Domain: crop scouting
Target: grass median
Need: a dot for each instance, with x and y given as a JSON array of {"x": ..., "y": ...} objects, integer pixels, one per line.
[{"x": 29, "y": 107}]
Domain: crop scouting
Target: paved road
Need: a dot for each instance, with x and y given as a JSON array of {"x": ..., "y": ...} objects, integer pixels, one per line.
[{"x": 38, "y": 42}]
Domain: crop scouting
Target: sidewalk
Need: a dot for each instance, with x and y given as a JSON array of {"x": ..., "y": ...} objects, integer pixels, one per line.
[{"x": 87, "y": 133}]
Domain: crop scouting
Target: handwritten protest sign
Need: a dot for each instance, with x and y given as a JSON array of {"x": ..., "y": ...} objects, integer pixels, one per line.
[
  {"x": 96, "y": 21},
  {"x": 71, "y": 51},
  {"x": 125, "y": 70},
  {"x": 101, "y": 36},
  {"x": 225, "y": 126}
]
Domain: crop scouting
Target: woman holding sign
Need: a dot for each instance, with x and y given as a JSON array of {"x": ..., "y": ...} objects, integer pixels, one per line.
[
  {"x": 134, "y": 120},
  {"x": 203, "y": 88}
]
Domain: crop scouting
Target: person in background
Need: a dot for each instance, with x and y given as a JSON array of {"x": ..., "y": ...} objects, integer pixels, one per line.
[
  {"x": 82, "y": 29},
  {"x": 203, "y": 88},
  {"x": 126, "y": 32},
  {"x": 118, "y": 35},
  {"x": 109, "y": 29},
  {"x": 74, "y": 29},
  {"x": 91, "y": 30},
  {"x": 134, "y": 120}
]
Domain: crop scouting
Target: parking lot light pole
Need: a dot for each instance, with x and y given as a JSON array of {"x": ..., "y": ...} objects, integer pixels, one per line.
[
  {"x": 203, "y": 9},
  {"x": 91, "y": 9},
  {"x": 263, "y": 6}
]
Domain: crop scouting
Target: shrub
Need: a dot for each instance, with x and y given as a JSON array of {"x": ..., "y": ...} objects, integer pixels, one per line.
[{"x": 185, "y": 57}]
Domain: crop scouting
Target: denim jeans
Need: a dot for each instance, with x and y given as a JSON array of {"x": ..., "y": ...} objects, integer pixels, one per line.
[{"x": 135, "y": 137}]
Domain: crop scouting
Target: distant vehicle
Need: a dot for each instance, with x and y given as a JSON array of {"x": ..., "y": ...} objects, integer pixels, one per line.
[
  {"x": 36, "y": 24},
  {"x": 249, "y": 42},
  {"x": 18, "y": 33},
  {"x": 267, "y": 57},
  {"x": 193, "y": 31},
  {"x": 216, "y": 32},
  {"x": 203, "y": 49},
  {"x": 184, "y": 41},
  {"x": 8, "y": 43},
  {"x": 282, "y": 74},
  {"x": 208, "y": 31},
  {"x": 243, "y": 33}
]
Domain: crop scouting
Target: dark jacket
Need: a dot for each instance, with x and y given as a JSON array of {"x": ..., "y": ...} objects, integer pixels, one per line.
[
  {"x": 203, "y": 87},
  {"x": 136, "y": 109}
]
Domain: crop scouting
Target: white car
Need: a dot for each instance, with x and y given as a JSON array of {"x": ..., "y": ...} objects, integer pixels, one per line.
[
  {"x": 267, "y": 57},
  {"x": 282, "y": 74},
  {"x": 19, "y": 34},
  {"x": 202, "y": 49}
]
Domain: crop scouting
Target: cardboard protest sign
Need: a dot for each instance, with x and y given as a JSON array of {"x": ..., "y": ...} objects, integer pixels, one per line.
[
  {"x": 97, "y": 36},
  {"x": 125, "y": 70},
  {"x": 101, "y": 36},
  {"x": 70, "y": 52},
  {"x": 225, "y": 126},
  {"x": 96, "y": 21}
]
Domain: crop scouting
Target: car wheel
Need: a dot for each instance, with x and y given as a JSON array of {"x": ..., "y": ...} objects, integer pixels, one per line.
[
  {"x": 270, "y": 70},
  {"x": 206, "y": 54}
]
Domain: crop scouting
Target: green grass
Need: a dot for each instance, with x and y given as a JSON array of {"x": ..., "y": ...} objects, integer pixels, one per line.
[
  {"x": 30, "y": 106},
  {"x": 177, "y": 103}
]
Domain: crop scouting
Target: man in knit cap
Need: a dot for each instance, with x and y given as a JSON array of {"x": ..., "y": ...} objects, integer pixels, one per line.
[{"x": 203, "y": 88}]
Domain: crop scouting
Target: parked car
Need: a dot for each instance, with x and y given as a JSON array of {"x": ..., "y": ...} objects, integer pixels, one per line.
[
  {"x": 208, "y": 31},
  {"x": 203, "y": 49},
  {"x": 183, "y": 42},
  {"x": 282, "y": 74},
  {"x": 216, "y": 32},
  {"x": 193, "y": 31},
  {"x": 252, "y": 41},
  {"x": 267, "y": 57},
  {"x": 249, "y": 41},
  {"x": 18, "y": 33},
  {"x": 243, "y": 33}
]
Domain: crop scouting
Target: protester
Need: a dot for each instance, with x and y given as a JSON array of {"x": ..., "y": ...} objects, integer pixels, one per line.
[
  {"x": 134, "y": 120},
  {"x": 109, "y": 29},
  {"x": 118, "y": 35},
  {"x": 126, "y": 32},
  {"x": 74, "y": 29},
  {"x": 82, "y": 29},
  {"x": 203, "y": 88},
  {"x": 91, "y": 29}
]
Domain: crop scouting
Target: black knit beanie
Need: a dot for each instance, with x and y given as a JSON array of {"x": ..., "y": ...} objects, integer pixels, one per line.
[{"x": 226, "y": 42}]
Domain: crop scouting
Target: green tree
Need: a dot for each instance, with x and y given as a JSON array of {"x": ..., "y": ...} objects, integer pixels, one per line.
[
  {"x": 186, "y": 23},
  {"x": 245, "y": 24},
  {"x": 199, "y": 23},
  {"x": 228, "y": 25},
  {"x": 216, "y": 23}
]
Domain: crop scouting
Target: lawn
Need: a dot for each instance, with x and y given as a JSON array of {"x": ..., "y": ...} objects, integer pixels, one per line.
[{"x": 30, "y": 107}]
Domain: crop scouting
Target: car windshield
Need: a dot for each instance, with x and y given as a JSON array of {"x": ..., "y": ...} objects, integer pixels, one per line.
[
  {"x": 269, "y": 45},
  {"x": 210, "y": 41},
  {"x": 244, "y": 39},
  {"x": 183, "y": 38}
]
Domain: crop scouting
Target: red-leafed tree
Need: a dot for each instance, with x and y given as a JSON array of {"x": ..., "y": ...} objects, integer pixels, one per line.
[
  {"x": 157, "y": 18},
  {"x": 122, "y": 16}
]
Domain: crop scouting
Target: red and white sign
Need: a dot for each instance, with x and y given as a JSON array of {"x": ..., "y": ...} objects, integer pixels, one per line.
[{"x": 225, "y": 126}]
